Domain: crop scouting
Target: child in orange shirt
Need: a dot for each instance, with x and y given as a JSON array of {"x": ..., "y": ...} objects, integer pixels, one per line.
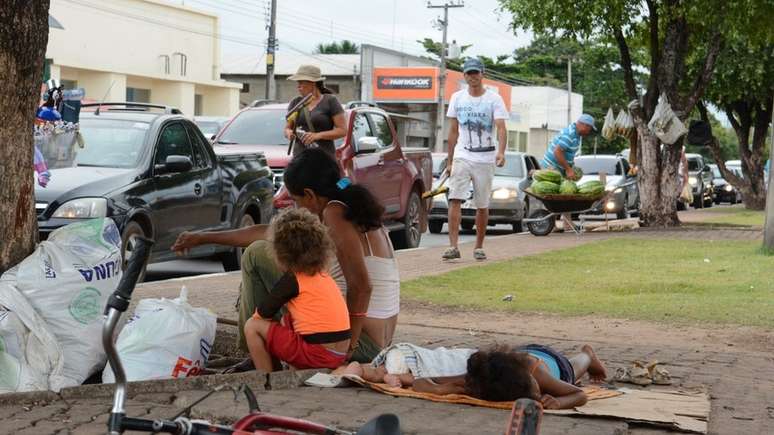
[{"x": 315, "y": 332}]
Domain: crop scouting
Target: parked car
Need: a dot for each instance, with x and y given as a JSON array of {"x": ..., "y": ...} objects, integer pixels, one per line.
[
  {"x": 700, "y": 178},
  {"x": 625, "y": 199},
  {"x": 508, "y": 204},
  {"x": 210, "y": 125},
  {"x": 155, "y": 175},
  {"x": 370, "y": 154},
  {"x": 724, "y": 191}
]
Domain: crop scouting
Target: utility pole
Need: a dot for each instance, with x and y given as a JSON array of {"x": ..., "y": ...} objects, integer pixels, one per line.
[
  {"x": 768, "y": 232},
  {"x": 441, "y": 114},
  {"x": 271, "y": 47},
  {"x": 569, "y": 90}
]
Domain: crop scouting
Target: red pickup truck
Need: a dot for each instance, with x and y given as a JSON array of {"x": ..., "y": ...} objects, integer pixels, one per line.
[{"x": 370, "y": 154}]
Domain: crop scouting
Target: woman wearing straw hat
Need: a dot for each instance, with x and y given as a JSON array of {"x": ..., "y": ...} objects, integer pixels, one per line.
[{"x": 321, "y": 121}]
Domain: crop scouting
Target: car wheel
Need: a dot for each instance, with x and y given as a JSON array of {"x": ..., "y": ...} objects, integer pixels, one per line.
[
  {"x": 232, "y": 260},
  {"x": 543, "y": 227},
  {"x": 517, "y": 227},
  {"x": 708, "y": 202},
  {"x": 132, "y": 231},
  {"x": 435, "y": 227},
  {"x": 409, "y": 236},
  {"x": 467, "y": 226}
]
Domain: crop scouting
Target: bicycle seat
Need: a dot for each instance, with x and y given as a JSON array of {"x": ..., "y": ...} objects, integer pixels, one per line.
[{"x": 385, "y": 424}]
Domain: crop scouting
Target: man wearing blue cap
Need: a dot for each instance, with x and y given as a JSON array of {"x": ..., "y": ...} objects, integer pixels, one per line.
[
  {"x": 473, "y": 153},
  {"x": 560, "y": 154}
]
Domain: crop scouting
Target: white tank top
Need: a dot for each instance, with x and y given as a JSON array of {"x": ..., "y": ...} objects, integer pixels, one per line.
[{"x": 384, "y": 277}]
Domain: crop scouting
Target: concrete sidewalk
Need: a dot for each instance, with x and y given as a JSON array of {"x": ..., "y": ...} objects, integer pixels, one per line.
[{"x": 735, "y": 364}]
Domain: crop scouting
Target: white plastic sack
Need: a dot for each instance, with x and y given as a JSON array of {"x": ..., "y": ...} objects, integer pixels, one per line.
[
  {"x": 608, "y": 128},
  {"x": 30, "y": 358},
  {"x": 665, "y": 124},
  {"x": 67, "y": 281},
  {"x": 165, "y": 339}
]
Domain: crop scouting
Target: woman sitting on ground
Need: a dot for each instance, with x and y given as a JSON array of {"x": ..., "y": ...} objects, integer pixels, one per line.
[
  {"x": 315, "y": 331},
  {"x": 364, "y": 267},
  {"x": 500, "y": 374}
]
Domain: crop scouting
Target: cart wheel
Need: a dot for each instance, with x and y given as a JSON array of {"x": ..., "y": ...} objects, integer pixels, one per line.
[{"x": 541, "y": 228}]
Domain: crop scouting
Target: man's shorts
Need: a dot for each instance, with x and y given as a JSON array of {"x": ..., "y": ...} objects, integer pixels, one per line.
[
  {"x": 481, "y": 174},
  {"x": 286, "y": 344}
]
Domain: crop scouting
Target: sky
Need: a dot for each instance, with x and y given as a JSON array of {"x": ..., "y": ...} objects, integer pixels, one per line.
[{"x": 396, "y": 24}]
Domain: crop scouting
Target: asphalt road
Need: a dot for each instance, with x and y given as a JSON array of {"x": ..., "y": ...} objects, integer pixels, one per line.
[{"x": 182, "y": 268}]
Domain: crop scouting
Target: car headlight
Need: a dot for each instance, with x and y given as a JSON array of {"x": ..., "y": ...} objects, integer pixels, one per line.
[
  {"x": 504, "y": 193},
  {"x": 728, "y": 188},
  {"x": 82, "y": 208},
  {"x": 693, "y": 181}
]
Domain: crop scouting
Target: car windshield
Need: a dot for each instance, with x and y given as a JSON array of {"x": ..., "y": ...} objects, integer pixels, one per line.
[
  {"x": 256, "y": 127},
  {"x": 716, "y": 172},
  {"x": 593, "y": 166},
  {"x": 694, "y": 165},
  {"x": 208, "y": 128},
  {"x": 512, "y": 168},
  {"x": 106, "y": 143}
]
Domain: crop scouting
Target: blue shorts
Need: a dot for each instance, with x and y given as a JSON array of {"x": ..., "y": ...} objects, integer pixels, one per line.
[{"x": 566, "y": 372}]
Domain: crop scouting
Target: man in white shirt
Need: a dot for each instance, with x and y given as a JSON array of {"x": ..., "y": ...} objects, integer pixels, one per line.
[{"x": 473, "y": 153}]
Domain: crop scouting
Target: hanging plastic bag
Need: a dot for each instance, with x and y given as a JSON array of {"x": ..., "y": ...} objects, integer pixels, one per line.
[
  {"x": 165, "y": 339},
  {"x": 619, "y": 121},
  {"x": 67, "y": 281},
  {"x": 665, "y": 124},
  {"x": 608, "y": 128},
  {"x": 687, "y": 194},
  {"x": 627, "y": 124}
]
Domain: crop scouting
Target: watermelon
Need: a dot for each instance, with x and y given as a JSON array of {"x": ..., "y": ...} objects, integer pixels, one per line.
[
  {"x": 548, "y": 175},
  {"x": 578, "y": 173},
  {"x": 568, "y": 187},
  {"x": 545, "y": 188},
  {"x": 592, "y": 187}
]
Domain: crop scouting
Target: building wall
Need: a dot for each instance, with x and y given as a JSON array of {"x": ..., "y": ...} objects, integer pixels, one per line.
[
  {"x": 544, "y": 106},
  {"x": 286, "y": 89},
  {"x": 125, "y": 43}
]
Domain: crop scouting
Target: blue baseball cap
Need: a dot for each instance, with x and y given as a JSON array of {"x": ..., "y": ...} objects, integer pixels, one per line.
[
  {"x": 588, "y": 120},
  {"x": 472, "y": 64}
]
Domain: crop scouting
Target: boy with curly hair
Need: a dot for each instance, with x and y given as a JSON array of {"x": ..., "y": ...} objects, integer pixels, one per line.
[{"x": 315, "y": 332}]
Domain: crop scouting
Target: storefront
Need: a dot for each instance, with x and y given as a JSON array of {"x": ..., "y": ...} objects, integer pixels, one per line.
[{"x": 413, "y": 91}]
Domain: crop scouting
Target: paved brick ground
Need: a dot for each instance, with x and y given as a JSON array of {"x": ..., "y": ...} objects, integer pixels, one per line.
[{"x": 736, "y": 368}]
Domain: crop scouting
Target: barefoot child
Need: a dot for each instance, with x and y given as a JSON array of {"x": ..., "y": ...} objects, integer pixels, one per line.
[
  {"x": 503, "y": 374},
  {"x": 315, "y": 332}
]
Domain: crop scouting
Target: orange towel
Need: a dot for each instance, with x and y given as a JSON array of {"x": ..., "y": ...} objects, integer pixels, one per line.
[{"x": 593, "y": 392}]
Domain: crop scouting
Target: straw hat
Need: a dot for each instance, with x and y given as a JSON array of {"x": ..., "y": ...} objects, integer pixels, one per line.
[{"x": 308, "y": 73}]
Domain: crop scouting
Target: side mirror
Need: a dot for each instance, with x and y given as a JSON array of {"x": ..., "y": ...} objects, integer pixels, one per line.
[
  {"x": 367, "y": 144},
  {"x": 212, "y": 138},
  {"x": 175, "y": 164}
]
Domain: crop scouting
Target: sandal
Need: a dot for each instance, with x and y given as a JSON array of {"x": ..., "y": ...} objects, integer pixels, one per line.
[{"x": 637, "y": 374}]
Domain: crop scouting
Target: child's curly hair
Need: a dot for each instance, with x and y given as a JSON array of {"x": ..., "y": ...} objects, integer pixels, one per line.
[
  {"x": 301, "y": 242},
  {"x": 499, "y": 374}
]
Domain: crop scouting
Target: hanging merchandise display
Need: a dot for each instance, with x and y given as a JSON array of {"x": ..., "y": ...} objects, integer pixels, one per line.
[
  {"x": 665, "y": 124},
  {"x": 608, "y": 128}
]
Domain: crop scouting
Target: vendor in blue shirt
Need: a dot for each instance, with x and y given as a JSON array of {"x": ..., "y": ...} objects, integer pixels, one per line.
[{"x": 560, "y": 154}]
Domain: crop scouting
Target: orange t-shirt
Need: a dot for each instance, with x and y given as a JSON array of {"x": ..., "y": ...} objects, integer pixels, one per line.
[{"x": 319, "y": 306}]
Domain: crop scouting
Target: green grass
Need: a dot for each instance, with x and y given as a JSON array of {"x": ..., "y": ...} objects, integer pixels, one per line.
[
  {"x": 736, "y": 216},
  {"x": 661, "y": 280}
]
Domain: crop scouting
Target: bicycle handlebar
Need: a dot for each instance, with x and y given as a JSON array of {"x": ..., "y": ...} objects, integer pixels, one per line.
[{"x": 121, "y": 297}]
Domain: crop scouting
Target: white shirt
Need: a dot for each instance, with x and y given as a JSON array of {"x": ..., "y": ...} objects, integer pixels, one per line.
[{"x": 476, "y": 116}]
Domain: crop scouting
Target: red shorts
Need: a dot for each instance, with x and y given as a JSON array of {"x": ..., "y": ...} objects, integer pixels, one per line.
[{"x": 284, "y": 343}]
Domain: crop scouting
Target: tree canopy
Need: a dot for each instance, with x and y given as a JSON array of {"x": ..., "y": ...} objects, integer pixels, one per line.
[{"x": 343, "y": 47}]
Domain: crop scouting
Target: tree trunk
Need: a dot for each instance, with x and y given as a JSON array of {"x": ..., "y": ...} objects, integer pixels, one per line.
[
  {"x": 23, "y": 40},
  {"x": 657, "y": 180}
]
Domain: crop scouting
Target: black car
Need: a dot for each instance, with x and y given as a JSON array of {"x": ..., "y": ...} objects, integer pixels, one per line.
[
  {"x": 724, "y": 191},
  {"x": 155, "y": 175}
]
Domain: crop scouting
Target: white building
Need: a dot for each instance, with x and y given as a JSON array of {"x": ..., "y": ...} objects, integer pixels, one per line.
[
  {"x": 541, "y": 111},
  {"x": 143, "y": 51}
]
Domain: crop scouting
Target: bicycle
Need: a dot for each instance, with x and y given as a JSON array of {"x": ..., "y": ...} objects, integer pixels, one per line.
[{"x": 255, "y": 422}]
